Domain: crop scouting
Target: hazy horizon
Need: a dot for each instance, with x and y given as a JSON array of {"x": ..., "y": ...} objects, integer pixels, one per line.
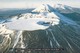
[{"x": 35, "y": 3}]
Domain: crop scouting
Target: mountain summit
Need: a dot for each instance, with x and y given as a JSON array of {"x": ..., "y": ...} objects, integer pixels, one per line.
[
  {"x": 43, "y": 8},
  {"x": 59, "y": 7}
]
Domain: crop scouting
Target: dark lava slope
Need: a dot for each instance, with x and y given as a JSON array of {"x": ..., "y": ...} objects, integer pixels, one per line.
[{"x": 60, "y": 36}]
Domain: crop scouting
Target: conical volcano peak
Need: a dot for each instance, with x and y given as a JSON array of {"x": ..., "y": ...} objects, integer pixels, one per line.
[{"x": 43, "y": 8}]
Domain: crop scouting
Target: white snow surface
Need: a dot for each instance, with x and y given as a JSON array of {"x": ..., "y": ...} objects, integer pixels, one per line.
[
  {"x": 29, "y": 24},
  {"x": 42, "y": 8}
]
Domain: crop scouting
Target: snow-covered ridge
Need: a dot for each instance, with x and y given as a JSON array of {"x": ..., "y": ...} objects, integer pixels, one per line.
[
  {"x": 64, "y": 8},
  {"x": 33, "y": 21},
  {"x": 5, "y": 37},
  {"x": 43, "y": 8},
  {"x": 43, "y": 19},
  {"x": 30, "y": 22},
  {"x": 59, "y": 7}
]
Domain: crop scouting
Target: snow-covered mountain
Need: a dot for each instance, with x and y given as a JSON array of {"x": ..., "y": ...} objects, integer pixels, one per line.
[
  {"x": 45, "y": 12},
  {"x": 28, "y": 22},
  {"x": 58, "y": 7},
  {"x": 43, "y": 8},
  {"x": 48, "y": 24},
  {"x": 63, "y": 8}
]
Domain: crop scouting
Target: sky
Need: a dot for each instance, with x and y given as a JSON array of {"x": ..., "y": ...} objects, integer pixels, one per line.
[{"x": 36, "y": 3}]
